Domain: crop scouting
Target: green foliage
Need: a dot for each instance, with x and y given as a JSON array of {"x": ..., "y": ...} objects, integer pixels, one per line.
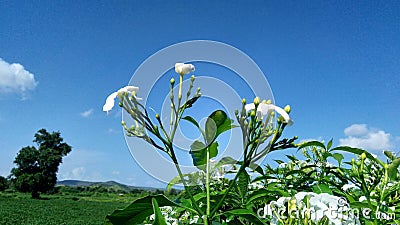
[
  {"x": 217, "y": 123},
  {"x": 36, "y": 168},
  {"x": 58, "y": 209},
  {"x": 3, "y": 183},
  {"x": 158, "y": 216},
  {"x": 138, "y": 211},
  {"x": 198, "y": 151},
  {"x": 230, "y": 191},
  {"x": 371, "y": 183}
]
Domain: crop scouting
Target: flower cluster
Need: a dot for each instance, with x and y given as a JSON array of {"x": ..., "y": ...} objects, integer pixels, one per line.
[
  {"x": 310, "y": 206},
  {"x": 257, "y": 123}
]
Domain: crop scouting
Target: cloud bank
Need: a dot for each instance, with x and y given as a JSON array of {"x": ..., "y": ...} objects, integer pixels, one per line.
[
  {"x": 361, "y": 136},
  {"x": 15, "y": 79}
]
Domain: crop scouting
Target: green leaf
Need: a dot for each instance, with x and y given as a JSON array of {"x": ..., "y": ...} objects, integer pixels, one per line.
[
  {"x": 227, "y": 161},
  {"x": 198, "y": 151},
  {"x": 175, "y": 180},
  {"x": 294, "y": 159},
  {"x": 158, "y": 216},
  {"x": 246, "y": 214},
  {"x": 243, "y": 183},
  {"x": 358, "y": 204},
  {"x": 393, "y": 168},
  {"x": 211, "y": 130},
  {"x": 258, "y": 195},
  {"x": 312, "y": 143},
  {"x": 322, "y": 188},
  {"x": 257, "y": 168},
  {"x": 193, "y": 121},
  {"x": 213, "y": 148},
  {"x": 218, "y": 124},
  {"x": 139, "y": 210},
  {"x": 329, "y": 144},
  {"x": 339, "y": 157},
  {"x": 389, "y": 155},
  {"x": 189, "y": 103},
  {"x": 357, "y": 151}
]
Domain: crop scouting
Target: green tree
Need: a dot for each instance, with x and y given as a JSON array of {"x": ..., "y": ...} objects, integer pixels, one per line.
[
  {"x": 3, "y": 183},
  {"x": 36, "y": 168}
]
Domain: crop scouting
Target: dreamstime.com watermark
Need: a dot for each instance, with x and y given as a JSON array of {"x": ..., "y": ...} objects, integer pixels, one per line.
[{"x": 340, "y": 211}]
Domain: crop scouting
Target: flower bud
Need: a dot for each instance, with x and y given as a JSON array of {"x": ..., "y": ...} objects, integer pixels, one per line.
[
  {"x": 292, "y": 204},
  {"x": 363, "y": 156},
  {"x": 192, "y": 78},
  {"x": 243, "y": 101},
  {"x": 123, "y": 123},
  {"x": 256, "y": 101},
  {"x": 157, "y": 116},
  {"x": 172, "y": 81},
  {"x": 236, "y": 112},
  {"x": 253, "y": 113},
  {"x": 287, "y": 108}
]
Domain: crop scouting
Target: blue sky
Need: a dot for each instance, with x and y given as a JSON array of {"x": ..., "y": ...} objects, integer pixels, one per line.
[{"x": 336, "y": 63}]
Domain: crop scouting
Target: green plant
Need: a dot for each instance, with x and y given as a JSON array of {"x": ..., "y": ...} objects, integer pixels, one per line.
[{"x": 208, "y": 202}]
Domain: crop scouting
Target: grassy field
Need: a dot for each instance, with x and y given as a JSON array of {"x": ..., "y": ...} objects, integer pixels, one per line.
[{"x": 16, "y": 208}]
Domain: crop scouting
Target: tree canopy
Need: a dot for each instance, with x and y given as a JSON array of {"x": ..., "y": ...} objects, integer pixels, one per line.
[{"x": 36, "y": 168}]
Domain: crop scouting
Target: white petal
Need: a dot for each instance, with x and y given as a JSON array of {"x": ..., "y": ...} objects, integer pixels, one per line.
[
  {"x": 249, "y": 107},
  {"x": 129, "y": 89},
  {"x": 265, "y": 108},
  {"x": 188, "y": 68},
  {"x": 178, "y": 67},
  {"x": 283, "y": 113},
  {"x": 110, "y": 101}
]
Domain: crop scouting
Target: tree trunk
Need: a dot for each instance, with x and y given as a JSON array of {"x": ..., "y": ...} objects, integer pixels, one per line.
[{"x": 35, "y": 194}]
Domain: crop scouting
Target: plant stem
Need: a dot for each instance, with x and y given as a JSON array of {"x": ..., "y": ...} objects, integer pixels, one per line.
[
  {"x": 194, "y": 203},
  {"x": 208, "y": 183},
  {"x": 242, "y": 167}
]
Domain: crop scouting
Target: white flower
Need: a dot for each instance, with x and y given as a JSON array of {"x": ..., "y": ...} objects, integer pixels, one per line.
[
  {"x": 334, "y": 208},
  {"x": 348, "y": 186},
  {"x": 362, "y": 198},
  {"x": 183, "y": 69},
  {"x": 265, "y": 109},
  {"x": 110, "y": 101}
]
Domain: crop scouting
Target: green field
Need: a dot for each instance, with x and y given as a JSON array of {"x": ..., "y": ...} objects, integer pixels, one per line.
[{"x": 16, "y": 208}]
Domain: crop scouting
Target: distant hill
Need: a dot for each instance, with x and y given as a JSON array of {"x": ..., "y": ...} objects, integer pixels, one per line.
[{"x": 108, "y": 184}]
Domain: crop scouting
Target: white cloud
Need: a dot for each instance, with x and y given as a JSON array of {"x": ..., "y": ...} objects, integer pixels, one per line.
[
  {"x": 82, "y": 164},
  {"x": 15, "y": 79},
  {"x": 356, "y": 130},
  {"x": 78, "y": 172},
  {"x": 87, "y": 113},
  {"x": 360, "y": 136}
]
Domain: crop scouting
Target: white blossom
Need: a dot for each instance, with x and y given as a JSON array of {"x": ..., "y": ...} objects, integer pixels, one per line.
[
  {"x": 110, "y": 101},
  {"x": 334, "y": 208},
  {"x": 183, "y": 68},
  {"x": 348, "y": 186},
  {"x": 265, "y": 109}
]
